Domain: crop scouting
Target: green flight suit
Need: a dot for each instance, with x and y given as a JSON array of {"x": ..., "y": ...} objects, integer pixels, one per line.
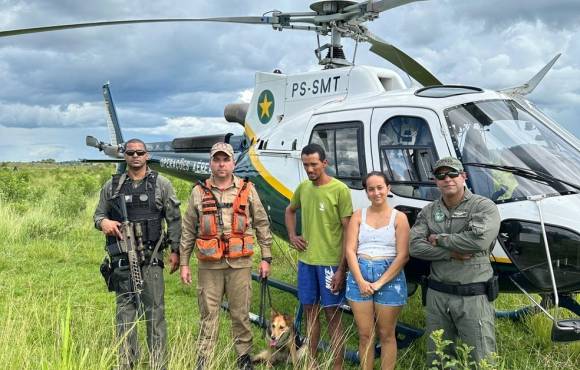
[
  {"x": 152, "y": 296},
  {"x": 469, "y": 228}
]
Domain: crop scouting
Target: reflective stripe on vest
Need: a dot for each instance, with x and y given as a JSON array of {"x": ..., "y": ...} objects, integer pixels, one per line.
[{"x": 208, "y": 252}]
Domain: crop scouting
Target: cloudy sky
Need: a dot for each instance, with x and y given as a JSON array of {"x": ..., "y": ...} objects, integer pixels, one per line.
[{"x": 171, "y": 80}]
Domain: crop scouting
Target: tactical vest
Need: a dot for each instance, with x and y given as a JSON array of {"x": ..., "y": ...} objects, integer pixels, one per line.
[
  {"x": 212, "y": 244},
  {"x": 141, "y": 206}
]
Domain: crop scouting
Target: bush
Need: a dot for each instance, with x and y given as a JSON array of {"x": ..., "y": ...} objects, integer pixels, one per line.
[
  {"x": 182, "y": 189},
  {"x": 69, "y": 205},
  {"x": 14, "y": 185},
  {"x": 462, "y": 360}
]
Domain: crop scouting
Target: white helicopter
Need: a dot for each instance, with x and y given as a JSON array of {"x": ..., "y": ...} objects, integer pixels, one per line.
[{"x": 368, "y": 119}]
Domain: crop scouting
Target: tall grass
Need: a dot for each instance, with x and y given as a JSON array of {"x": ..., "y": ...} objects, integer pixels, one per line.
[{"x": 55, "y": 312}]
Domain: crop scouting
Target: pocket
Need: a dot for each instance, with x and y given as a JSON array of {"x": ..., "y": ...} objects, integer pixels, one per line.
[
  {"x": 120, "y": 278},
  {"x": 203, "y": 311},
  {"x": 239, "y": 222},
  {"x": 241, "y": 247},
  {"x": 107, "y": 272},
  {"x": 350, "y": 282},
  {"x": 208, "y": 225},
  {"x": 248, "y": 245},
  {"x": 235, "y": 247},
  {"x": 208, "y": 250}
]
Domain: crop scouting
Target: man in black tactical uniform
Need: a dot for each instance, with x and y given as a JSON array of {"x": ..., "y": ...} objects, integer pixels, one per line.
[{"x": 149, "y": 200}]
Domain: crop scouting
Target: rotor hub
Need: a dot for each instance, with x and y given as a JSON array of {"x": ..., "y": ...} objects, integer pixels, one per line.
[{"x": 330, "y": 6}]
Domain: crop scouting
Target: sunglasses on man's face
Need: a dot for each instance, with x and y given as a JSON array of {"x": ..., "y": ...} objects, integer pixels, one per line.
[
  {"x": 131, "y": 153},
  {"x": 443, "y": 175}
]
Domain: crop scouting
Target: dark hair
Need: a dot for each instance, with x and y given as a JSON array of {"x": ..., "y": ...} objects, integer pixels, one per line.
[
  {"x": 136, "y": 141},
  {"x": 374, "y": 173},
  {"x": 312, "y": 149}
]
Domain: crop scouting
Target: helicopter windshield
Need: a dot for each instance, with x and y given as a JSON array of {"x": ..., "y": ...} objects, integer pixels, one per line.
[{"x": 502, "y": 133}]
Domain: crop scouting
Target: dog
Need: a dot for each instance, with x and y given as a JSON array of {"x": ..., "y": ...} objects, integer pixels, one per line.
[{"x": 281, "y": 341}]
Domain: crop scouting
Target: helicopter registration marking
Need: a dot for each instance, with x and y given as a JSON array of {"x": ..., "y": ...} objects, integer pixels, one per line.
[
  {"x": 181, "y": 164},
  {"x": 315, "y": 87}
]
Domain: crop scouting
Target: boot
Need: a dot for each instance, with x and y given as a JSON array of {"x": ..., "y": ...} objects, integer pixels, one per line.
[{"x": 245, "y": 362}]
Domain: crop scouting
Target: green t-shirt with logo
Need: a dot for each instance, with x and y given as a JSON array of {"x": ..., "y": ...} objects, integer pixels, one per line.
[{"x": 322, "y": 208}]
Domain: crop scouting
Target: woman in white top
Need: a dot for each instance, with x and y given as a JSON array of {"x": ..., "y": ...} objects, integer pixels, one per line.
[{"x": 377, "y": 249}]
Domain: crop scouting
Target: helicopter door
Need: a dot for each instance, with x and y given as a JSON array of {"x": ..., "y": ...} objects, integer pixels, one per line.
[
  {"x": 405, "y": 143},
  {"x": 344, "y": 137}
]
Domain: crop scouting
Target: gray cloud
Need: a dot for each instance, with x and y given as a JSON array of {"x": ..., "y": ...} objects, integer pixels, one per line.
[
  {"x": 167, "y": 74},
  {"x": 557, "y": 14}
]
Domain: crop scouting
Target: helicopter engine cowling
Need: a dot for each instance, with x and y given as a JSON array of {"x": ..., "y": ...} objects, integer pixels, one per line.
[{"x": 236, "y": 112}]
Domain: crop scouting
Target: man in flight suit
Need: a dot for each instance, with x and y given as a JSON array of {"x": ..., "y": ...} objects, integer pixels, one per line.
[
  {"x": 457, "y": 233},
  {"x": 150, "y": 199}
]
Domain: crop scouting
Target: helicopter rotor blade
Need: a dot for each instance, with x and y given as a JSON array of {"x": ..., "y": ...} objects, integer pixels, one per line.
[
  {"x": 401, "y": 60},
  {"x": 267, "y": 20}
]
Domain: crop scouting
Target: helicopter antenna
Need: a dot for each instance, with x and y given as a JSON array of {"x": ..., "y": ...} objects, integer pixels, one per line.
[{"x": 355, "y": 49}]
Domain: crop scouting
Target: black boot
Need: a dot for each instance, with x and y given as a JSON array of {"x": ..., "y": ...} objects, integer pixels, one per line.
[
  {"x": 245, "y": 362},
  {"x": 200, "y": 363}
]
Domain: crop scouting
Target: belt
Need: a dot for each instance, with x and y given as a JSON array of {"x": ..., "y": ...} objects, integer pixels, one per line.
[
  {"x": 120, "y": 263},
  {"x": 152, "y": 261},
  {"x": 458, "y": 289}
]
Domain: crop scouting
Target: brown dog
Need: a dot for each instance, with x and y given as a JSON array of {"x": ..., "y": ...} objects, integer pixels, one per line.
[{"x": 280, "y": 338}]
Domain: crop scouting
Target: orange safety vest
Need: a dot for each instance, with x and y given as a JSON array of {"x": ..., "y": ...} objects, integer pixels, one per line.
[{"x": 213, "y": 246}]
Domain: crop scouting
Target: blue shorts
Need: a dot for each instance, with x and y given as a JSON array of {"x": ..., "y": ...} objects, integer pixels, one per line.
[
  {"x": 393, "y": 293},
  {"x": 314, "y": 285}
]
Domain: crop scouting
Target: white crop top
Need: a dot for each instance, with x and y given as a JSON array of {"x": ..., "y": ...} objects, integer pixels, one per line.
[{"x": 377, "y": 242}]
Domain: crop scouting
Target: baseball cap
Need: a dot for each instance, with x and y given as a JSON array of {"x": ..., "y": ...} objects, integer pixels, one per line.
[
  {"x": 222, "y": 147},
  {"x": 450, "y": 162}
]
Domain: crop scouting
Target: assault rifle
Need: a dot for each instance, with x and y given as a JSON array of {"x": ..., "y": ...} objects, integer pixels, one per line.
[{"x": 132, "y": 244}]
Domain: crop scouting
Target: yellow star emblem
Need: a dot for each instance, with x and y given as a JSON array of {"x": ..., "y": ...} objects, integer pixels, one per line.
[{"x": 265, "y": 106}]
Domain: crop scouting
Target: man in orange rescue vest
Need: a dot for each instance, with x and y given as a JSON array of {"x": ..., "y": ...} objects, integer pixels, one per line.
[{"x": 223, "y": 216}]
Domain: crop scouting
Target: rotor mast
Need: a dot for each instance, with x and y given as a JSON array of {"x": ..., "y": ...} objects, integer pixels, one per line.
[{"x": 335, "y": 56}]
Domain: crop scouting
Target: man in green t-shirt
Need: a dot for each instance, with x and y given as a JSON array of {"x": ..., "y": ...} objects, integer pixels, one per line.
[{"x": 326, "y": 207}]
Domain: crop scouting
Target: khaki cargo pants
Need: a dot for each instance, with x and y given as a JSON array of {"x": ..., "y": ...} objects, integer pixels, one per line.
[
  {"x": 152, "y": 299},
  {"x": 469, "y": 318},
  {"x": 236, "y": 284}
]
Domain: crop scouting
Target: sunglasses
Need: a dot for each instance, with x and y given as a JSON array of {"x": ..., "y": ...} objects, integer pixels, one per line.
[
  {"x": 443, "y": 175},
  {"x": 131, "y": 153}
]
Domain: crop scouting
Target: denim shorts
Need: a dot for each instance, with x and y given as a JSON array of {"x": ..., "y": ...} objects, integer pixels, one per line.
[
  {"x": 314, "y": 285},
  {"x": 393, "y": 293}
]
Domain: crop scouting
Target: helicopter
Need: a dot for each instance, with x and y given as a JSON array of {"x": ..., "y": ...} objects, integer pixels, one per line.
[{"x": 366, "y": 118}]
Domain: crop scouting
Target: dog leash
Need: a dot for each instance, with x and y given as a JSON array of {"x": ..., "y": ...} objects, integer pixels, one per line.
[{"x": 264, "y": 294}]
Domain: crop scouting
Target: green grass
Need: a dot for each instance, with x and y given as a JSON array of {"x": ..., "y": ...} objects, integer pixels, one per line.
[{"x": 55, "y": 312}]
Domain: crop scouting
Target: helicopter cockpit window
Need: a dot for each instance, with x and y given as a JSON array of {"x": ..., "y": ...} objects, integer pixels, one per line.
[
  {"x": 343, "y": 144},
  {"x": 407, "y": 156},
  {"x": 502, "y": 133}
]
